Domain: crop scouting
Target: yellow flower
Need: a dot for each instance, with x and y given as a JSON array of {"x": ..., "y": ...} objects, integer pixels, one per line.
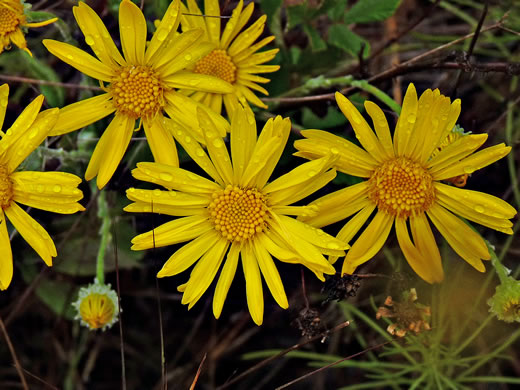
[
  {"x": 404, "y": 184},
  {"x": 141, "y": 84},
  {"x": 51, "y": 191},
  {"x": 96, "y": 306},
  {"x": 237, "y": 212},
  {"x": 234, "y": 59},
  {"x": 12, "y": 20}
]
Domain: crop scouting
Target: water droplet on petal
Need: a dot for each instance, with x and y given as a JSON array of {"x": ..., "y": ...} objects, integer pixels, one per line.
[
  {"x": 479, "y": 209},
  {"x": 165, "y": 176},
  {"x": 56, "y": 188}
]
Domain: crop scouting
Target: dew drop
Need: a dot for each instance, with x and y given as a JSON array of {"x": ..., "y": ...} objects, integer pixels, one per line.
[
  {"x": 468, "y": 169},
  {"x": 162, "y": 34},
  {"x": 56, "y": 188},
  {"x": 40, "y": 188},
  {"x": 89, "y": 40},
  {"x": 218, "y": 143},
  {"x": 187, "y": 57},
  {"x": 334, "y": 150},
  {"x": 479, "y": 209},
  {"x": 165, "y": 176}
]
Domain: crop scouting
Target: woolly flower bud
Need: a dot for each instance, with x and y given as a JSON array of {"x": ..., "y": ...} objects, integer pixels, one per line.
[
  {"x": 506, "y": 301},
  {"x": 96, "y": 306}
]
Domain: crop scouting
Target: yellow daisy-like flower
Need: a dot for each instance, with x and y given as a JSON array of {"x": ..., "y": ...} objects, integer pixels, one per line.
[
  {"x": 237, "y": 212},
  {"x": 12, "y": 20},
  {"x": 234, "y": 59},
  {"x": 404, "y": 184},
  {"x": 141, "y": 84},
  {"x": 51, "y": 191}
]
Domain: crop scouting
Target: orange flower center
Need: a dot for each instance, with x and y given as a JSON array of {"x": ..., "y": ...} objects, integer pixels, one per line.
[
  {"x": 219, "y": 64},
  {"x": 6, "y": 188},
  {"x": 238, "y": 214},
  {"x": 96, "y": 310},
  {"x": 9, "y": 20},
  {"x": 401, "y": 187},
  {"x": 137, "y": 92}
]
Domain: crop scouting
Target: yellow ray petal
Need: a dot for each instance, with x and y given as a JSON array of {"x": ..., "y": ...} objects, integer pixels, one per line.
[
  {"x": 192, "y": 18},
  {"x": 118, "y": 134},
  {"x": 271, "y": 275},
  {"x": 32, "y": 232},
  {"x": 413, "y": 256},
  {"x": 97, "y": 35},
  {"x": 170, "y": 200},
  {"x": 293, "y": 194},
  {"x": 257, "y": 58},
  {"x": 216, "y": 147},
  {"x": 161, "y": 142},
  {"x": 198, "y": 81},
  {"x": 178, "y": 47},
  {"x": 20, "y": 126},
  {"x": 204, "y": 272},
  {"x": 352, "y": 159},
  {"x": 254, "y": 291},
  {"x": 369, "y": 242},
  {"x": 212, "y": 8},
  {"x": 51, "y": 191},
  {"x": 350, "y": 229},
  {"x": 381, "y": 127},
  {"x": 425, "y": 243},
  {"x": 404, "y": 139},
  {"x": 187, "y": 255},
  {"x": 164, "y": 34},
  {"x": 80, "y": 114},
  {"x": 168, "y": 65},
  {"x": 244, "y": 54},
  {"x": 281, "y": 128},
  {"x": 248, "y": 36},
  {"x": 235, "y": 23},
  {"x": 6, "y": 260},
  {"x": 172, "y": 232},
  {"x": 31, "y": 139},
  {"x": 249, "y": 96},
  {"x": 456, "y": 151},
  {"x": 226, "y": 277},
  {"x": 364, "y": 133},
  {"x": 474, "y": 162},
  {"x": 132, "y": 30},
  {"x": 4, "y": 95},
  {"x": 80, "y": 60},
  {"x": 193, "y": 148},
  {"x": 174, "y": 178},
  {"x": 242, "y": 140},
  {"x": 468, "y": 244},
  {"x": 338, "y": 205}
]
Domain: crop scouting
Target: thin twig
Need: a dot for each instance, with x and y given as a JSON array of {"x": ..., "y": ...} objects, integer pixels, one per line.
[
  {"x": 332, "y": 364},
  {"x": 19, "y": 368},
  {"x": 19, "y": 79},
  {"x": 121, "y": 341},
  {"x": 284, "y": 352},
  {"x": 198, "y": 372},
  {"x": 304, "y": 291},
  {"x": 389, "y": 73},
  {"x": 470, "y": 50}
]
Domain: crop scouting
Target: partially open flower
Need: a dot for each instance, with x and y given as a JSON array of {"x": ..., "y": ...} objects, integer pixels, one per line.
[
  {"x": 12, "y": 21},
  {"x": 506, "y": 301},
  {"x": 409, "y": 315},
  {"x": 97, "y": 306}
]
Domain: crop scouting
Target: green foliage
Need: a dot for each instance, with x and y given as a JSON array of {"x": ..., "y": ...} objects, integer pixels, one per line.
[{"x": 366, "y": 11}]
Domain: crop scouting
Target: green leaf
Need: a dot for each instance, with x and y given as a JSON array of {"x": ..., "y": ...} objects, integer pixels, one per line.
[
  {"x": 317, "y": 44},
  {"x": 55, "y": 96},
  {"x": 333, "y": 118},
  {"x": 341, "y": 37},
  {"x": 270, "y": 7},
  {"x": 39, "y": 16},
  {"x": 366, "y": 11},
  {"x": 296, "y": 16},
  {"x": 337, "y": 11}
]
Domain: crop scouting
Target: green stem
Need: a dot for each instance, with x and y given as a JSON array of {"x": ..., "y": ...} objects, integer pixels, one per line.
[
  {"x": 105, "y": 236},
  {"x": 366, "y": 86}
]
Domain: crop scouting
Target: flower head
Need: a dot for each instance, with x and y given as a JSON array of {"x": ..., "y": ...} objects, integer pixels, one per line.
[
  {"x": 12, "y": 21},
  {"x": 235, "y": 58},
  {"x": 404, "y": 184},
  {"x": 52, "y": 191},
  {"x": 236, "y": 212},
  {"x": 505, "y": 303},
  {"x": 141, "y": 86},
  {"x": 97, "y": 306}
]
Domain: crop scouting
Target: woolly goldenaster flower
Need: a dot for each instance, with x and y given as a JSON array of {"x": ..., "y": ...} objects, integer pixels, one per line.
[
  {"x": 51, "y": 191},
  {"x": 12, "y": 21},
  {"x": 404, "y": 184},
  {"x": 141, "y": 84},
  {"x": 234, "y": 59},
  {"x": 237, "y": 212}
]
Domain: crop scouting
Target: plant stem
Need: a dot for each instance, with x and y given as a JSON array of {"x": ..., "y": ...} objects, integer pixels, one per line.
[{"x": 105, "y": 237}]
